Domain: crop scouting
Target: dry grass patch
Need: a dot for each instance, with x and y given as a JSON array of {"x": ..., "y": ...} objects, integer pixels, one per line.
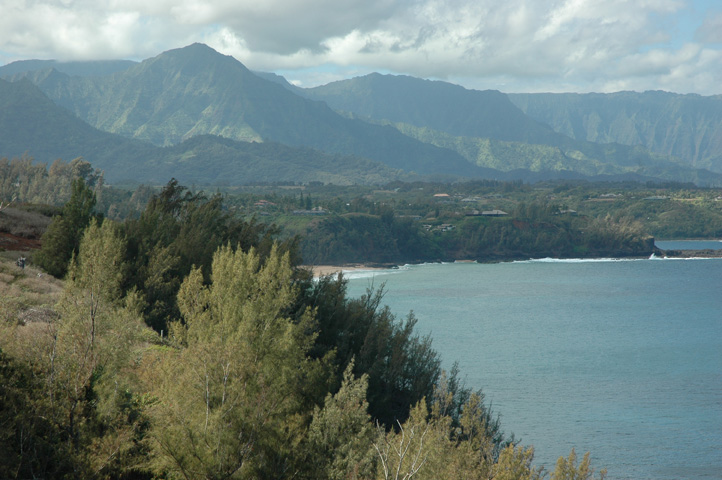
[
  {"x": 26, "y": 295},
  {"x": 23, "y": 223}
]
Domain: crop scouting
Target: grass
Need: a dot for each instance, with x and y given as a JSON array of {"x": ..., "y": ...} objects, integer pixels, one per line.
[
  {"x": 23, "y": 222},
  {"x": 26, "y": 295}
]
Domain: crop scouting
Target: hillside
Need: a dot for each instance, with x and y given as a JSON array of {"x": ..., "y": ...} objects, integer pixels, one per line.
[
  {"x": 31, "y": 123},
  {"x": 685, "y": 126},
  {"x": 437, "y": 105},
  {"x": 195, "y": 90},
  {"x": 417, "y": 126},
  {"x": 489, "y": 130},
  {"x": 79, "y": 68}
]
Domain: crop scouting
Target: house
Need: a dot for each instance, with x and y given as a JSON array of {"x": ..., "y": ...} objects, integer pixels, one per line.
[
  {"x": 494, "y": 213},
  {"x": 314, "y": 211}
]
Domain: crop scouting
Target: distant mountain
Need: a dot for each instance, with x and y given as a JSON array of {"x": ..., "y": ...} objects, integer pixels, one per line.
[
  {"x": 416, "y": 126},
  {"x": 195, "y": 90},
  {"x": 489, "y": 130},
  {"x": 685, "y": 126},
  {"x": 437, "y": 105},
  {"x": 80, "y": 69},
  {"x": 31, "y": 123}
]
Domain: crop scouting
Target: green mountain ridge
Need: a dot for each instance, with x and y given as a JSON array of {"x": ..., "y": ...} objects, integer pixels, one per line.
[
  {"x": 411, "y": 125},
  {"x": 487, "y": 129},
  {"x": 688, "y": 127},
  {"x": 77, "y": 68},
  {"x": 195, "y": 90},
  {"x": 30, "y": 123}
]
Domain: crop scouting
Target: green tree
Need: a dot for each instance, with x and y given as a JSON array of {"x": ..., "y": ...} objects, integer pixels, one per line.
[
  {"x": 568, "y": 469},
  {"x": 233, "y": 394},
  {"x": 179, "y": 230},
  {"x": 402, "y": 367},
  {"x": 515, "y": 463},
  {"x": 62, "y": 239},
  {"x": 93, "y": 342},
  {"x": 341, "y": 434}
]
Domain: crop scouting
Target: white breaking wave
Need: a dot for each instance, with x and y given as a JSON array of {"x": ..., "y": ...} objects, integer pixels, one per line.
[{"x": 578, "y": 260}]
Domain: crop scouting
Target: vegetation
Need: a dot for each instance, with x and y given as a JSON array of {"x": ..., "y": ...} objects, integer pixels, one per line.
[
  {"x": 259, "y": 372},
  {"x": 683, "y": 126},
  {"x": 62, "y": 239},
  {"x": 223, "y": 124}
]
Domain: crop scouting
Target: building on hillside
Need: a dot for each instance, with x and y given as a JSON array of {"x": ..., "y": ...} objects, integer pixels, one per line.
[
  {"x": 313, "y": 211},
  {"x": 494, "y": 213}
]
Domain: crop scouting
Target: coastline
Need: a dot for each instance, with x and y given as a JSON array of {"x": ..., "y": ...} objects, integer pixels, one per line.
[{"x": 326, "y": 270}]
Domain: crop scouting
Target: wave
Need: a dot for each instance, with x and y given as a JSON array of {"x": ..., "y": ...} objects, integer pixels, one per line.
[
  {"x": 578, "y": 260},
  {"x": 360, "y": 273}
]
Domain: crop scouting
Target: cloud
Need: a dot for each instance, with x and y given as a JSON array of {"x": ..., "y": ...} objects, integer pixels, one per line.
[
  {"x": 528, "y": 45},
  {"x": 711, "y": 30}
]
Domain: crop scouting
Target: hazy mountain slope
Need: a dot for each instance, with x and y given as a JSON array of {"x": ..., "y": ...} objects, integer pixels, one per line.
[
  {"x": 488, "y": 129},
  {"x": 685, "y": 126},
  {"x": 31, "y": 123},
  {"x": 195, "y": 90},
  {"x": 80, "y": 68},
  {"x": 545, "y": 161},
  {"x": 438, "y": 105}
]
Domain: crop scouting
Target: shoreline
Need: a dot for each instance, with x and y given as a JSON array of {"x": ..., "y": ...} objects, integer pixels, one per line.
[{"x": 326, "y": 270}]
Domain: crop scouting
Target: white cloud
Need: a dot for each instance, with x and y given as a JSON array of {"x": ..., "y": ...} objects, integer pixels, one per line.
[
  {"x": 516, "y": 45},
  {"x": 711, "y": 30}
]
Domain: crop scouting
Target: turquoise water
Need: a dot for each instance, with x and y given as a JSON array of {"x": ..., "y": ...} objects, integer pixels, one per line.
[
  {"x": 619, "y": 358},
  {"x": 689, "y": 244}
]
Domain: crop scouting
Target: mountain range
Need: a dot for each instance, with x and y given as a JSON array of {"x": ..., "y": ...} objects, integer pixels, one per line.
[
  {"x": 203, "y": 117},
  {"x": 30, "y": 123},
  {"x": 688, "y": 127}
]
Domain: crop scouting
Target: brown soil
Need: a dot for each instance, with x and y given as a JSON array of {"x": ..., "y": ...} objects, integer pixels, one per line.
[{"x": 8, "y": 241}]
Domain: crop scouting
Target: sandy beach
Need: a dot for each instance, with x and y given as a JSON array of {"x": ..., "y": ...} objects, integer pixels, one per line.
[{"x": 324, "y": 270}]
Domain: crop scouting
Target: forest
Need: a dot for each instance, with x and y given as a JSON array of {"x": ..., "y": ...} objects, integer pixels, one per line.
[{"x": 187, "y": 341}]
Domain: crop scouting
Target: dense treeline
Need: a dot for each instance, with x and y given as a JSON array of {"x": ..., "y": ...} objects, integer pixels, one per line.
[
  {"x": 531, "y": 231},
  {"x": 260, "y": 372}
]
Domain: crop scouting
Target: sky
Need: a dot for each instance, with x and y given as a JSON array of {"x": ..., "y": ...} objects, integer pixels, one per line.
[{"x": 507, "y": 45}]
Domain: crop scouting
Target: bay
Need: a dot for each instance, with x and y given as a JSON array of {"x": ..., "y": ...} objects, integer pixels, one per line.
[
  {"x": 622, "y": 358},
  {"x": 689, "y": 244}
]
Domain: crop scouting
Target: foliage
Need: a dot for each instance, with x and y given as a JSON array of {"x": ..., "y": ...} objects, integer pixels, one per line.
[
  {"x": 231, "y": 391},
  {"x": 343, "y": 426},
  {"x": 568, "y": 469},
  {"x": 402, "y": 368},
  {"x": 515, "y": 463},
  {"x": 261, "y": 372},
  {"x": 82, "y": 407},
  {"x": 62, "y": 239},
  {"x": 176, "y": 231}
]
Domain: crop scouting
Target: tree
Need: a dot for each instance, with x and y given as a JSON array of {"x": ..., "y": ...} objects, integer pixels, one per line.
[
  {"x": 93, "y": 342},
  {"x": 82, "y": 403},
  {"x": 62, "y": 239},
  {"x": 402, "y": 367},
  {"x": 568, "y": 469},
  {"x": 515, "y": 464},
  {"x": 177, "y": 231},
  {"x": 341, "y": 433},
  {"x": 232, "y": 394}
]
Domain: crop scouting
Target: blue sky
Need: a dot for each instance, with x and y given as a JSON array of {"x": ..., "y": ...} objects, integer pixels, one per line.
[{"x": 510, "y": 45}]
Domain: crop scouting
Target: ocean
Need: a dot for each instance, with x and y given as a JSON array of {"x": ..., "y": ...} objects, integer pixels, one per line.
[{"x": 621, "y": 358}]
